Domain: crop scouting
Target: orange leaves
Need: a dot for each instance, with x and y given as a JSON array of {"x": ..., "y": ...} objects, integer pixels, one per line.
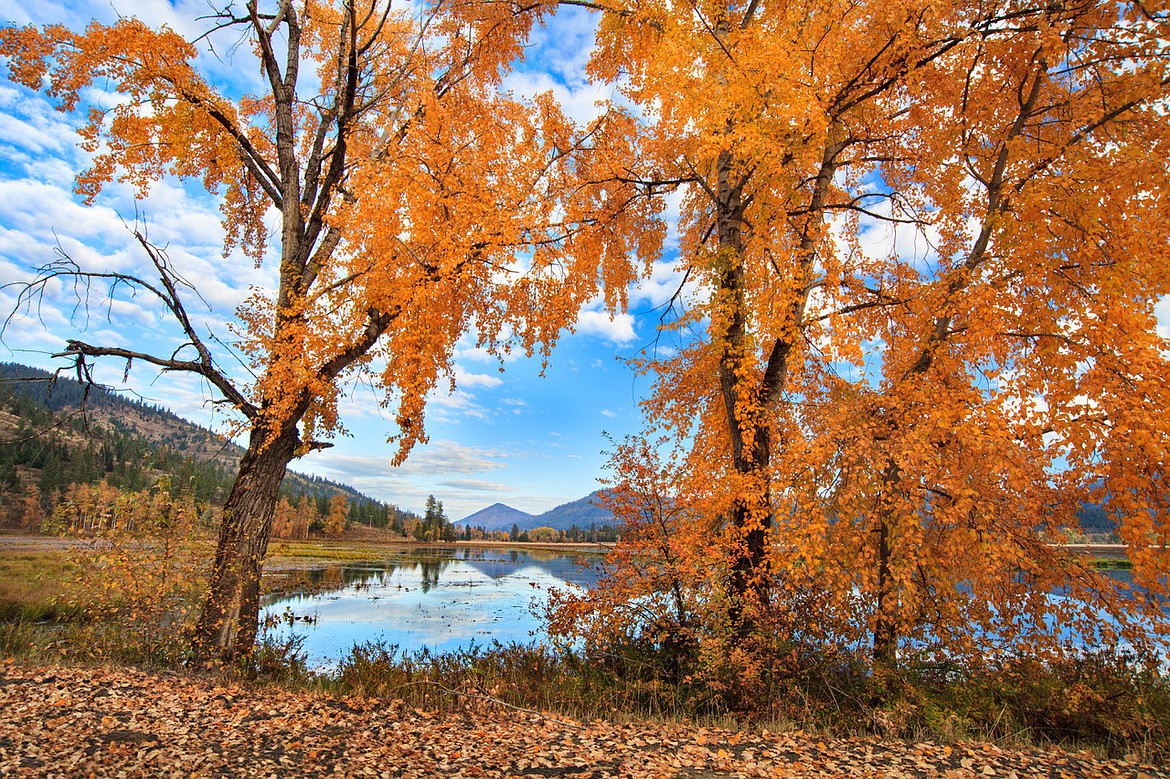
[
  {"x": 462, "y": 205},
  {"x": 928, "y": 243}
]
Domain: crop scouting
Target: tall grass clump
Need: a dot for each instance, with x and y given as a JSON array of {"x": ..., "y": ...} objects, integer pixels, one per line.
[
  {"x": 1115, "y": 704},
  {"x": 525, "y": 676},
  {"x": 136, "y": 571}
]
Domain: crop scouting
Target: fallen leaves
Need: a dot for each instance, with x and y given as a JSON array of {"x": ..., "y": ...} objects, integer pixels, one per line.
[{"x": 128, "y": 723}]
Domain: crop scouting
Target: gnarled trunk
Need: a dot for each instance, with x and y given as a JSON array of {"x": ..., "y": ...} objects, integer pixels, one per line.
[{"x": 227, "y": 626}]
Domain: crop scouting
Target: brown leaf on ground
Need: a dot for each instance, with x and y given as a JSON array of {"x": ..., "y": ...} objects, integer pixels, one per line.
[{"x": 101, "y": 722}]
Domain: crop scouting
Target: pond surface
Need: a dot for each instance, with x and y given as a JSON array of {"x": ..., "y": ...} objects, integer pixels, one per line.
[{"x": 443, "y": 599}]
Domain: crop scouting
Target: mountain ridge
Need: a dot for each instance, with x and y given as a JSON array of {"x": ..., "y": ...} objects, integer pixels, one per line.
[{"x": 583, "y": 512}]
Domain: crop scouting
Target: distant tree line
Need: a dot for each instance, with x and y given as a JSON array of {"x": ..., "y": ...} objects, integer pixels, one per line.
[{"x": 594, "y": 534}]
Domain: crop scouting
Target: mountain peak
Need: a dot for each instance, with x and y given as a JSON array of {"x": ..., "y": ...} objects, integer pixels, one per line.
[
  {"x": 498, "y": 516},
  {"x": 583, "y": 512}
]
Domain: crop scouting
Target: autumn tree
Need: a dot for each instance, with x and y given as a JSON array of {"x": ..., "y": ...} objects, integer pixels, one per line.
[
  {"x": 304, "y": 517},
  {"x": 282, "y": 519},
  {"x": 1021, "y": 364},
  {"x": 648, "y": 586},
  {"x": 923, "y": 245},
  {"x": 335, "y": 522},
  {"x": 417, "y": 201},
  {"x": 32, "y": 510}
]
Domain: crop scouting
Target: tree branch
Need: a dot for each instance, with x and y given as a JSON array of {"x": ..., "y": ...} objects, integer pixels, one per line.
[{"x": 165, "y": 290}]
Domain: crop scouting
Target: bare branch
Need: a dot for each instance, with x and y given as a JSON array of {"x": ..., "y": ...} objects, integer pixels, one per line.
[{"x": 165, "y": 289}]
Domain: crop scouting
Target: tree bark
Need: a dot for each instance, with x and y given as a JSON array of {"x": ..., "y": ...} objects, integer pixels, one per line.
[
  {"x": 227, "y": 626},
  {"x": 750, "y": 517},
  {"x": 885, "y": 630}
]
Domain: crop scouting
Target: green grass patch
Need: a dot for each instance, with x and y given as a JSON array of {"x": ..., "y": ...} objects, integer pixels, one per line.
[
  {"x": 323, "y": 550},
  {"x": 33, "y": 584},
  {"x": 1112, "y": 564}
]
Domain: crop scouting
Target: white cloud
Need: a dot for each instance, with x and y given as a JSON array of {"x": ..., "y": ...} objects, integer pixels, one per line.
[
  {"x": 580, "y": 102},
  {"x": 663, "y": 284},
  {"x": 448, "y": 457},
  {"x": 617, "y": 329},
  {"x": 475, "y": 486},
  {"x": 557, "y": 55},
  {"x": 605, "y": 412},
  {"x": 433, "y": 465},
  {"x": 451, "y": 407},
  {"x": 33, "y": 127},
  {"x": 468, "y": 380}
]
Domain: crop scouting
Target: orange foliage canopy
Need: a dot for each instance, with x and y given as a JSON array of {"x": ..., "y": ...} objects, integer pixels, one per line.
[
  {"x": 926, "y": 242},
  {"x": 417, "y": 202},
  {"x": 417, "y": 199}
]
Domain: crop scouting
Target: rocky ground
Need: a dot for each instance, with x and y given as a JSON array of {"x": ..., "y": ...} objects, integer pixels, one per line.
[{"x": 102, "y": 722}]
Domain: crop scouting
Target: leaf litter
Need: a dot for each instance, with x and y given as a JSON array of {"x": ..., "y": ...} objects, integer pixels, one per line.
[{"x": 125, "y": 722}]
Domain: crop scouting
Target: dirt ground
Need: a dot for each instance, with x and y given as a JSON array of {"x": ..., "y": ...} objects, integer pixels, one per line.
[{"x": 120, "y": 722}]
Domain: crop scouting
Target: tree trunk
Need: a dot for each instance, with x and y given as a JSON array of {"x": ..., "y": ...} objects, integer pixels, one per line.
[
  {"x": 227, "y": 626},
  {"x": 749, "y": 516},
  {"x": 885, "y": 632},
  {"x": 749, "y": 580},
  {"x": 885, "y": 629}
]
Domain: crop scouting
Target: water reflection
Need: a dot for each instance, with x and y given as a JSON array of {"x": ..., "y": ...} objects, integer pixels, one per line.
[{"x": 441, "y": 598}]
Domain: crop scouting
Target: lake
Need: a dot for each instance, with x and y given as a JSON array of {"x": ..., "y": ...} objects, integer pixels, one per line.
[{"x": 441, "y": 598}]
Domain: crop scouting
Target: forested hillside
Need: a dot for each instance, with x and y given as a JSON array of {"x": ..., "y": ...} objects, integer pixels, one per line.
[{"x": 62, "y": 444}]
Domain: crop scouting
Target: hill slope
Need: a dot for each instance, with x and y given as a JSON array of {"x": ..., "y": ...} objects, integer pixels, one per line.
[
  {"x": 583, "y": 512},
  {"x": 47, "y": 441}
]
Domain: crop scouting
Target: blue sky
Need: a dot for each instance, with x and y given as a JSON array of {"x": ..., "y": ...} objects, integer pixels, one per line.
[{"x": 508, "y": 436}]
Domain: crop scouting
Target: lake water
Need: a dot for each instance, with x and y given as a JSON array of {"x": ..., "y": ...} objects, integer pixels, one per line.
[
  {"x": 443, "y": 599},
  {"x": 413, "y": 597}
]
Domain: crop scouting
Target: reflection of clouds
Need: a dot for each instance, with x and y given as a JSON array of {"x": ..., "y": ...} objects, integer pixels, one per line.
[{"x": 483, "y": 597}]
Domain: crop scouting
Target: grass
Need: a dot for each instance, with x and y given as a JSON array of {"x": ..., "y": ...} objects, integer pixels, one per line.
[
  {"x": 31, "y": 583},
  {"x": 1112, "y": 564},
  {"x": 1111, "y": 705},
  {"x": 323, "y": 550},
  {"x": 516, "y": 675}
]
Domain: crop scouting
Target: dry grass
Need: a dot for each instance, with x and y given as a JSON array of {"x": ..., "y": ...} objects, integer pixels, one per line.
[{"x": 33, "y": 581}]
